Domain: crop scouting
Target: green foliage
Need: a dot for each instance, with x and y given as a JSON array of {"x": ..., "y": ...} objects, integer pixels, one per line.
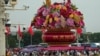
[
  {"x": 82, "y": 38},
  {"x": 74, "y": 7},
  {"x": 37, "y": 38},
  {"x": 12, "y": 41},
  {"x": 96, "y": 37},
  {"x": 93, "y": 37}
]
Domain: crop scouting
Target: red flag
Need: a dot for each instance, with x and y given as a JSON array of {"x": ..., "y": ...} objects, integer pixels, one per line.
[
  {"x": 7, "y": 30},
  {"x": 19, "y": 32},
  {"x": 79, "y": 30},
  {"x": 30, "y": 30}
]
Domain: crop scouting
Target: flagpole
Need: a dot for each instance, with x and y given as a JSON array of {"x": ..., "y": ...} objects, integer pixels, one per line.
[
  {"x": 31, "y": 39},
  {"x": 30, "y": 31},
  {"x": 19, "y": 43},
  {"x": 18, "y": 40},
  {"x": 77, "y": 37}
]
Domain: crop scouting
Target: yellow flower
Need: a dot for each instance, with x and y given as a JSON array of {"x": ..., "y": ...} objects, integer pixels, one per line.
[
  {"x": 47, "y": 17},
  {"x": 64, "y": 7},
  {"x": 56, "y": 19},
  {"x": 71, "y": 16},
  {"x": 50, "y": 20},
  {"x": 58, "y": 6},
  {"x": 76, "y": 18}
]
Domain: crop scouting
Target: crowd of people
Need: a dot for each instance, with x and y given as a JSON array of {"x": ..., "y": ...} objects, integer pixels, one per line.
[{"x": 55, "y": 53}]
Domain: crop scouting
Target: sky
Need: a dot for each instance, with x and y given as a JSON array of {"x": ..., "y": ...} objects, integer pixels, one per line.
[{"x": 89, "y": 8}]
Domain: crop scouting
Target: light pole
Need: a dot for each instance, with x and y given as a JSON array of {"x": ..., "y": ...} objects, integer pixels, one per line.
[
  {"x": 3, "y": 8},
  {"x": 88, "y": 36},
  {"x": 7, "y": 29},
  {"x": 2, "y": 29}
]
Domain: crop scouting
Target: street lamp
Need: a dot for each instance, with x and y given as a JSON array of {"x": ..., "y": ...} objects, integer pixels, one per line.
[
  {"x": 6, "y": 1},
  {"x": 3, "y": 7},
  {"x": 13, "y": 2},
  {"x": 87, "y": 36}
]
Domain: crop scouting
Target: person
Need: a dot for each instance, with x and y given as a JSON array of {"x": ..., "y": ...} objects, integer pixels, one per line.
[
  {"x": 87, "y": 52},
  {"x": 78, "y": 53},
  {"x": 14, "y": 54},
  {"x": 25, "y": 54},
  {"x": 59, "y": 53},
  {"x": 30, "y": 54},
  {"x": 8, "y": 53}
]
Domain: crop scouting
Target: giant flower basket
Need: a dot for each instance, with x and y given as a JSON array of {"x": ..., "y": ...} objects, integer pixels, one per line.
[{"x": 57, "y": 19}]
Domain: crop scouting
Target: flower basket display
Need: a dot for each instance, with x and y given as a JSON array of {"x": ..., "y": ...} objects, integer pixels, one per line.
[{"x": 58, "y": 19}]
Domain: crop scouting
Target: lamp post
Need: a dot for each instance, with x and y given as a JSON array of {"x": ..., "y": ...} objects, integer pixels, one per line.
[
  {"x": 2, "y": 29},
  {"x": 87, "y": 36},
  {"x": 7, "y": 29},
  {"x": 3, "y": 4}
]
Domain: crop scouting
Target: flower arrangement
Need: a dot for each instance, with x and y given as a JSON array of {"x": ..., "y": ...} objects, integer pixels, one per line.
[{"x": 58, "y": 15}]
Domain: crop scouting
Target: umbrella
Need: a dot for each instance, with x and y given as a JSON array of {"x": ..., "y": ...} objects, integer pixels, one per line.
[
  {"x": 76, "y": 48},
  {"x": 31, "y": 46},
  {"x": 91, "y": 48},
  {"x": 57, "y": 48},
  {"x": 31, "y": 49},
  {"x": 27, "y": 50}
]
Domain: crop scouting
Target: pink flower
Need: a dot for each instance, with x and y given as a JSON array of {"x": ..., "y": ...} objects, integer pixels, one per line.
[
  {"x": 46, "y": 11},
  {"x": 70, "y": 22}
]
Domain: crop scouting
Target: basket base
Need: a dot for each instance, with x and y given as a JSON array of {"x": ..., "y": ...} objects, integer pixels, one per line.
[{"x": 58, "y": 37}]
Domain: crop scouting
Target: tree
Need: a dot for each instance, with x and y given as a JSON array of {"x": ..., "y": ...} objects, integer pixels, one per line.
[
  {"x": 12, "y": 41},
  {"x": 36, "y": 38},
  {"x": 96, "y": 37}
]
